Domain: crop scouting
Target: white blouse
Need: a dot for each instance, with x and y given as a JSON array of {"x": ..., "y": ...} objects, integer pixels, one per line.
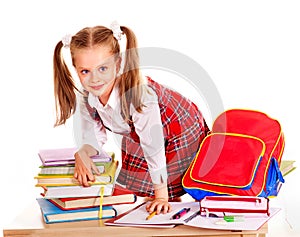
[{"x": 148, "y": 127}]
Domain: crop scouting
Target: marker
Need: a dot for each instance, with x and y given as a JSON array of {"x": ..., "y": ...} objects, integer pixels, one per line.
[
  {"x": 151, "y": 215},
  {"x": 192, "y": 216},
  {"x": 234, "y": 218},
  {"x": 181, "y": 213}
]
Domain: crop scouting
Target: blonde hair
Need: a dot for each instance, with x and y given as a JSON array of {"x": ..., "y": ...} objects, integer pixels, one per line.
[{"x": 130, "y": 89}]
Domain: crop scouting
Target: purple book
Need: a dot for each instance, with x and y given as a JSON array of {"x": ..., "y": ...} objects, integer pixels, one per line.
[{"x": 65, "y": 156}]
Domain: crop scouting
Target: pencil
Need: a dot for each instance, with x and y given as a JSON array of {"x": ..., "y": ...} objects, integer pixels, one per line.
[{"x": 151, "y": 215}]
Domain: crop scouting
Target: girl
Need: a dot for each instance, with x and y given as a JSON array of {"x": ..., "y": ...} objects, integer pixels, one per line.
[{"x": 161, "y": 129}]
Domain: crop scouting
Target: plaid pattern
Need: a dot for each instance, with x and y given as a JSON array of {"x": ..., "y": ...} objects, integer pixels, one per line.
[{"x": 184, "y": 128}]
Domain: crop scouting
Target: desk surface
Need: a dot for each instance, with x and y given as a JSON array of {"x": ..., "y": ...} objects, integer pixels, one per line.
[{"x": 30, "y": 223}]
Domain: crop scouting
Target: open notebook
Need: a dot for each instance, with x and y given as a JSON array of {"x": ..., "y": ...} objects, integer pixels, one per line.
[{"x": 137, "y": 217}]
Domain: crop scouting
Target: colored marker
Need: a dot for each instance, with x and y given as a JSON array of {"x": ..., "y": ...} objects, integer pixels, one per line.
[
  {"x": 234, "y": 218},
  {"x": 181, "y": 213},
  {"x": 151, "y": 215}
]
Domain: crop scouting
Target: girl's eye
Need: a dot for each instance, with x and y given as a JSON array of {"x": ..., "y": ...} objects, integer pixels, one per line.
[
  {"x": 84, "y": 72},
  {"x": 102, "y": 69}
]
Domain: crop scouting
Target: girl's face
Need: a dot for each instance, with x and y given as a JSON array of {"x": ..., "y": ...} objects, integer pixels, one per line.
[{"x": 97, "y": 69}]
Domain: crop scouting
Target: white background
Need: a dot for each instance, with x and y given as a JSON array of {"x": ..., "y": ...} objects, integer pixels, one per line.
[{"x": 250, "y": 49}]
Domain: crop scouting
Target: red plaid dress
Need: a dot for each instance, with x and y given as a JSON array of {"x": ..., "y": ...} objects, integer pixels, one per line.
[{"x": 184, "y": 128}]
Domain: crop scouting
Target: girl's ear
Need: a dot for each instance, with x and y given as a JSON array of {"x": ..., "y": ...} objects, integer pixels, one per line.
[{"x": 118, "y": 64}]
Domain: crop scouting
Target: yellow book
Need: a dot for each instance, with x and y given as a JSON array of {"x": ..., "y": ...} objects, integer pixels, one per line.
[
  {"x": 68, "y": 180},
  {"x": 287, "y": 166}
]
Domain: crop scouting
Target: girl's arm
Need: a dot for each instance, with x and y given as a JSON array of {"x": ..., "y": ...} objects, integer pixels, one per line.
[
  {"x": 148, "y": 126},
  {"x": 90, "y": 137}
]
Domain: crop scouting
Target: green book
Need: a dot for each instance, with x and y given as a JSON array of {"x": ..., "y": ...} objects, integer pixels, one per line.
[{"x": 68, "y": 169}]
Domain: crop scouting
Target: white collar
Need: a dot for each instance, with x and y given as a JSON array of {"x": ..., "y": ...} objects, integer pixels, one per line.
[{"x": 112, "y": 100}]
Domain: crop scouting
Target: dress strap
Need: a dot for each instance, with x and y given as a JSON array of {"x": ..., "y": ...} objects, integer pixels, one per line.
[{"x": 92, "y": 110}]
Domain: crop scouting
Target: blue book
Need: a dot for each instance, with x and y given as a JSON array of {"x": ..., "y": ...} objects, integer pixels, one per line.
[{"x": 53, "y": 214}]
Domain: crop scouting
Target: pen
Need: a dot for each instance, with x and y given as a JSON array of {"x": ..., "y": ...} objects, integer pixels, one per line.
[
  {"x": 151, "y": 215},
  {"x": 192, "y": 216},
  {"x": 181, "y": 213}
]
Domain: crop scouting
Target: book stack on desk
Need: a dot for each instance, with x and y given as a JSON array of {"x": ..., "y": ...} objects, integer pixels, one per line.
[{"x": 64, "y": 199}]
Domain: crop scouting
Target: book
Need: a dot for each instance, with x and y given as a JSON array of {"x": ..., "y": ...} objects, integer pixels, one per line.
[
  {"x": 287, "y": 166},
  {"x": 65, "y": 156},
  {"x": 76, "y": 191},
  {"x": 119, "y": 196},
  {"x": 68, "y": 169},
  {"x": 53, "y": 214},
  {"x": 236, "y": 204},
  {"x": 68, "y": 180}
]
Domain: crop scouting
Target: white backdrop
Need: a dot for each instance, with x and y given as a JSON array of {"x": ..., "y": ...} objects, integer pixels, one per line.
[{"x": 250, "y": 49}]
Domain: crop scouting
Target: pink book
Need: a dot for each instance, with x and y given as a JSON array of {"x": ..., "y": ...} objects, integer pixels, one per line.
[
  {"x": 65, "y": 156},
  {"x": 234, "y": 204}
]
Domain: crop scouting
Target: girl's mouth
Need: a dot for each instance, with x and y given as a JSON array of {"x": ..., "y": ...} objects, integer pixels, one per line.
[{"x": 97, "y": 87}]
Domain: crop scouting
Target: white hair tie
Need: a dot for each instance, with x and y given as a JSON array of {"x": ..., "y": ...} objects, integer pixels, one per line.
[
  {"x": 116, "y": 29},
  {"x": 66, "y": 40}
]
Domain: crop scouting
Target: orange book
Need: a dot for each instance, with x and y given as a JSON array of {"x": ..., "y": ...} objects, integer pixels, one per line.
[{"x": 119, "y": 196}]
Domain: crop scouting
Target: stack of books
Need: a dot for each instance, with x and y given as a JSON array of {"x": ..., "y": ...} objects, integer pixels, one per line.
[{"x": 64, "y": 199}]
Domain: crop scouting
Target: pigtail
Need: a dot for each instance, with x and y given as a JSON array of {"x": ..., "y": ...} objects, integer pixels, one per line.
[
  {"x": 131, "y": 83},
  {"x": 64, "y": 88}
]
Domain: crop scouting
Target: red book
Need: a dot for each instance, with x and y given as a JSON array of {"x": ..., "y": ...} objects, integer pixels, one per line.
[{"x": 119, "y": 196}]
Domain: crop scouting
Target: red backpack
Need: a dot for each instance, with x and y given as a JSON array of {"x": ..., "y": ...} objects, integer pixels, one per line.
[{"x": 240, "y": 157}]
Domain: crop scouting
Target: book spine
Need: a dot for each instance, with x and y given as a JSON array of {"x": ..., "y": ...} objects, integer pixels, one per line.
[
  {"x": 229, "y": 199},
  {"x": 232, "y": 210}
]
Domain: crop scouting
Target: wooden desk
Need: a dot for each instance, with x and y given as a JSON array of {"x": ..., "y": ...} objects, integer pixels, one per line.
[{"x": 30, "y": 223}]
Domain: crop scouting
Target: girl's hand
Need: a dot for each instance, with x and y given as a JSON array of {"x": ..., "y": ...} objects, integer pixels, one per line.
[
  {"x": 161, "y": 205},
  {"x": 84, "y": 167},
  {"x": 160, "y": 202}
]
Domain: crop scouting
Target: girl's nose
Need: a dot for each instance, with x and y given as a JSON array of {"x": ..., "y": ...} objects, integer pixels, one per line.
[{"x": 94, "y": 77}]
